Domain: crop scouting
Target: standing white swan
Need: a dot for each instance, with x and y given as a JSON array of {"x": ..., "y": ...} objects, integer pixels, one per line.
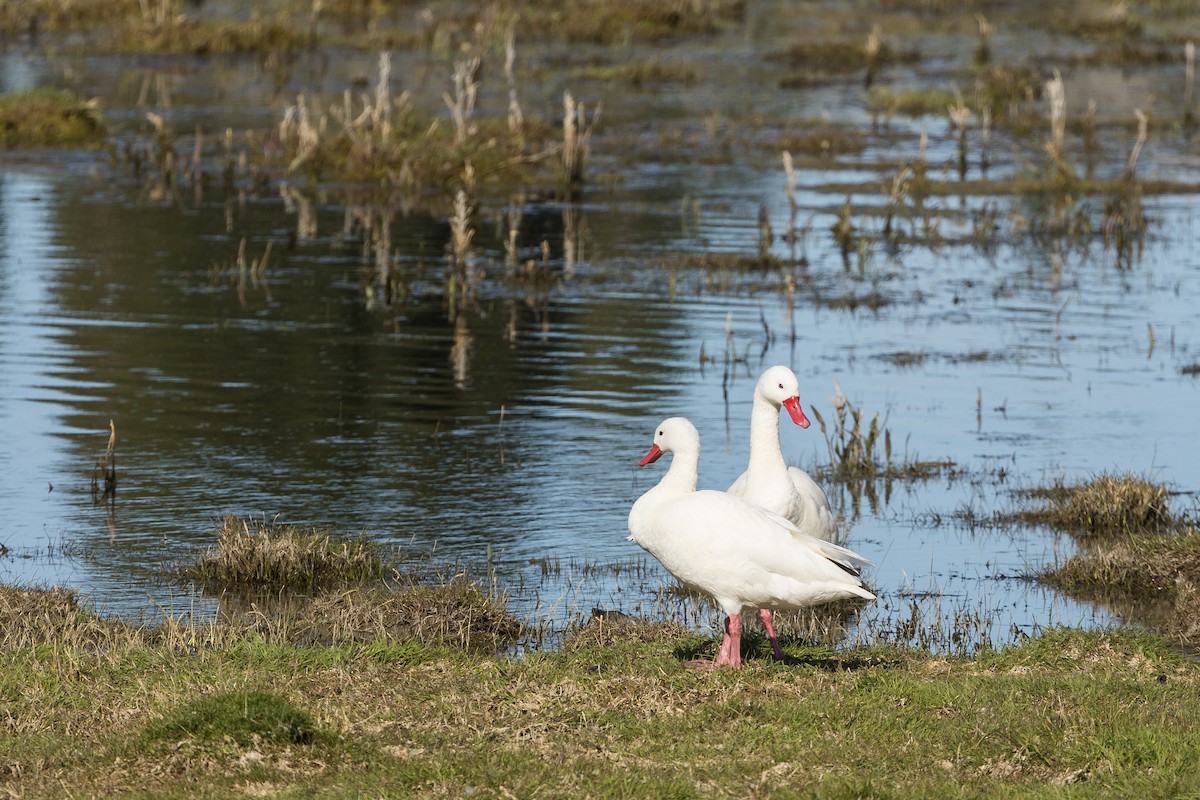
[
  {"x": 741, "y": 555},
  {"x": 768, "y": 481}
]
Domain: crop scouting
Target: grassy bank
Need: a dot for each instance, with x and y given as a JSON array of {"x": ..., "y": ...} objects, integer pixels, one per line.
[{"x": 98, "y": 708}]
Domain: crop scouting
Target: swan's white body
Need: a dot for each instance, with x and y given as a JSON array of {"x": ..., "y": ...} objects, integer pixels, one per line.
[
  {"x": 768, "y": 481},
  {"x": 739, "y": 554}
]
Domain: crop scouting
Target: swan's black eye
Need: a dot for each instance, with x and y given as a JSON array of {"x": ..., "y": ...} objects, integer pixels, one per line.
[
  {"x": 781, "y": 386},
  {"x": 660, "y": 433}
]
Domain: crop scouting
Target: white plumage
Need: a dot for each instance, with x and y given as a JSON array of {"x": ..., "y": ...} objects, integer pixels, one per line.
[
  {"x": 739, "y": 554},
  {"x": 768, "y": 481}
]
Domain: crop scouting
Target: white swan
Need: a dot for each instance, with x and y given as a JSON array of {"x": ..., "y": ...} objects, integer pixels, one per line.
[
  {"x": 741, "y": 555},
  {"x": 768, "y": 481}
]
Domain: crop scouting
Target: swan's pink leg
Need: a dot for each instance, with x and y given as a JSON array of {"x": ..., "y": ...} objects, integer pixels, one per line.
[
  {"x": 731, "y": 645},
  {"x": 723, "y": 656},
  {"x": 766, "y": 615}
]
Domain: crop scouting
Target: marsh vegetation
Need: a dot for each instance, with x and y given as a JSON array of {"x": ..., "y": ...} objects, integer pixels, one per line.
[{"x": 418, "y": 275}]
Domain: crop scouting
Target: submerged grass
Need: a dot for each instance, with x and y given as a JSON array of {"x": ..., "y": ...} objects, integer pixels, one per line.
[
  {"x": 257, "y": 555},
  {"x": 1104, "y": 505},
  {"x": 1151, "y": 578},
  {"x": 49, "y": 117},
  {"x": 1090, "y": 713}
]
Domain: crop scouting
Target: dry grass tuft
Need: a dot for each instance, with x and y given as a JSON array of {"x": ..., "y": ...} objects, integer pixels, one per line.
[
  {"x": 261, "y": 555},
  {"x": 37, "y": 616},
  {"x": 1150, "y": 563},
  {"x": 457, "y": 614},
  {"x": 604, "y": 629},
  {"x": 1107, "y": 504},
  {"x": 1154, "y": 579}
]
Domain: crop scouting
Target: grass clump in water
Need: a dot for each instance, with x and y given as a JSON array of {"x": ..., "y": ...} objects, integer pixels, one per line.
[
  {"x": 1148, "y": 577},
  {"x": 638, "y": 74},
  {"x": 623, "y": 21},
  {"x": 260, "y": 555},
  {"x": 855, "y": 448},
  {"x": 30, "y": 16},
  {"x": 825, "y": 142},
  {"x": 177, "y": 33},
  {"x": 159, "y": 26},
  {"x": 49, "y": 117},
  {"x": 384, "y": 138},
  {"x": 1107, "y": 504}
]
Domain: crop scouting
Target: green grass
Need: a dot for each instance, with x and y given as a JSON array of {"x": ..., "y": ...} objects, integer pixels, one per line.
[
  {"x": 1085, "y": 714},
  {"x": 241, "y": 716}
]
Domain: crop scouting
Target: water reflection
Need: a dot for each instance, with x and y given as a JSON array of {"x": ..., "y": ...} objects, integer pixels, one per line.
[
  {"x": 37, "y": 380},
  {"x": 286, "y": 395}
]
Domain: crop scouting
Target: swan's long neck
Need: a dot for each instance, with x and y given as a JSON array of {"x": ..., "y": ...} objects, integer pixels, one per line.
[
  {"x": 679, "y": 481},
  {"x": 765, "y": 449},
  {"x": 682, "y": 475}
]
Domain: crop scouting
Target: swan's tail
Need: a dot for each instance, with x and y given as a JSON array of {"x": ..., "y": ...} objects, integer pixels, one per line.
[{"x": 845, "y": 558}]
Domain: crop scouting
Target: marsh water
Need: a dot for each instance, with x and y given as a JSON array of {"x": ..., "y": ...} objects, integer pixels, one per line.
[{"x": 505, "y": 434}]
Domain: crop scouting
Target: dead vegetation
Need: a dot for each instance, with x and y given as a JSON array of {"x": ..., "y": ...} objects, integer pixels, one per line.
[
  {"x": 262, "y": 556},
  {"x": 607, "y": 628},
  {"x": 34, "y": 616},
  {"x": 454, "y": 614},
  {"x": 1108, "y": 504},
  {"x": 1153, "y": 579}
]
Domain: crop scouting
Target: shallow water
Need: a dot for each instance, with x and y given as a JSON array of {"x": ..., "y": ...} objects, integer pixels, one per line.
[{"x": 509, "y": 434}]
